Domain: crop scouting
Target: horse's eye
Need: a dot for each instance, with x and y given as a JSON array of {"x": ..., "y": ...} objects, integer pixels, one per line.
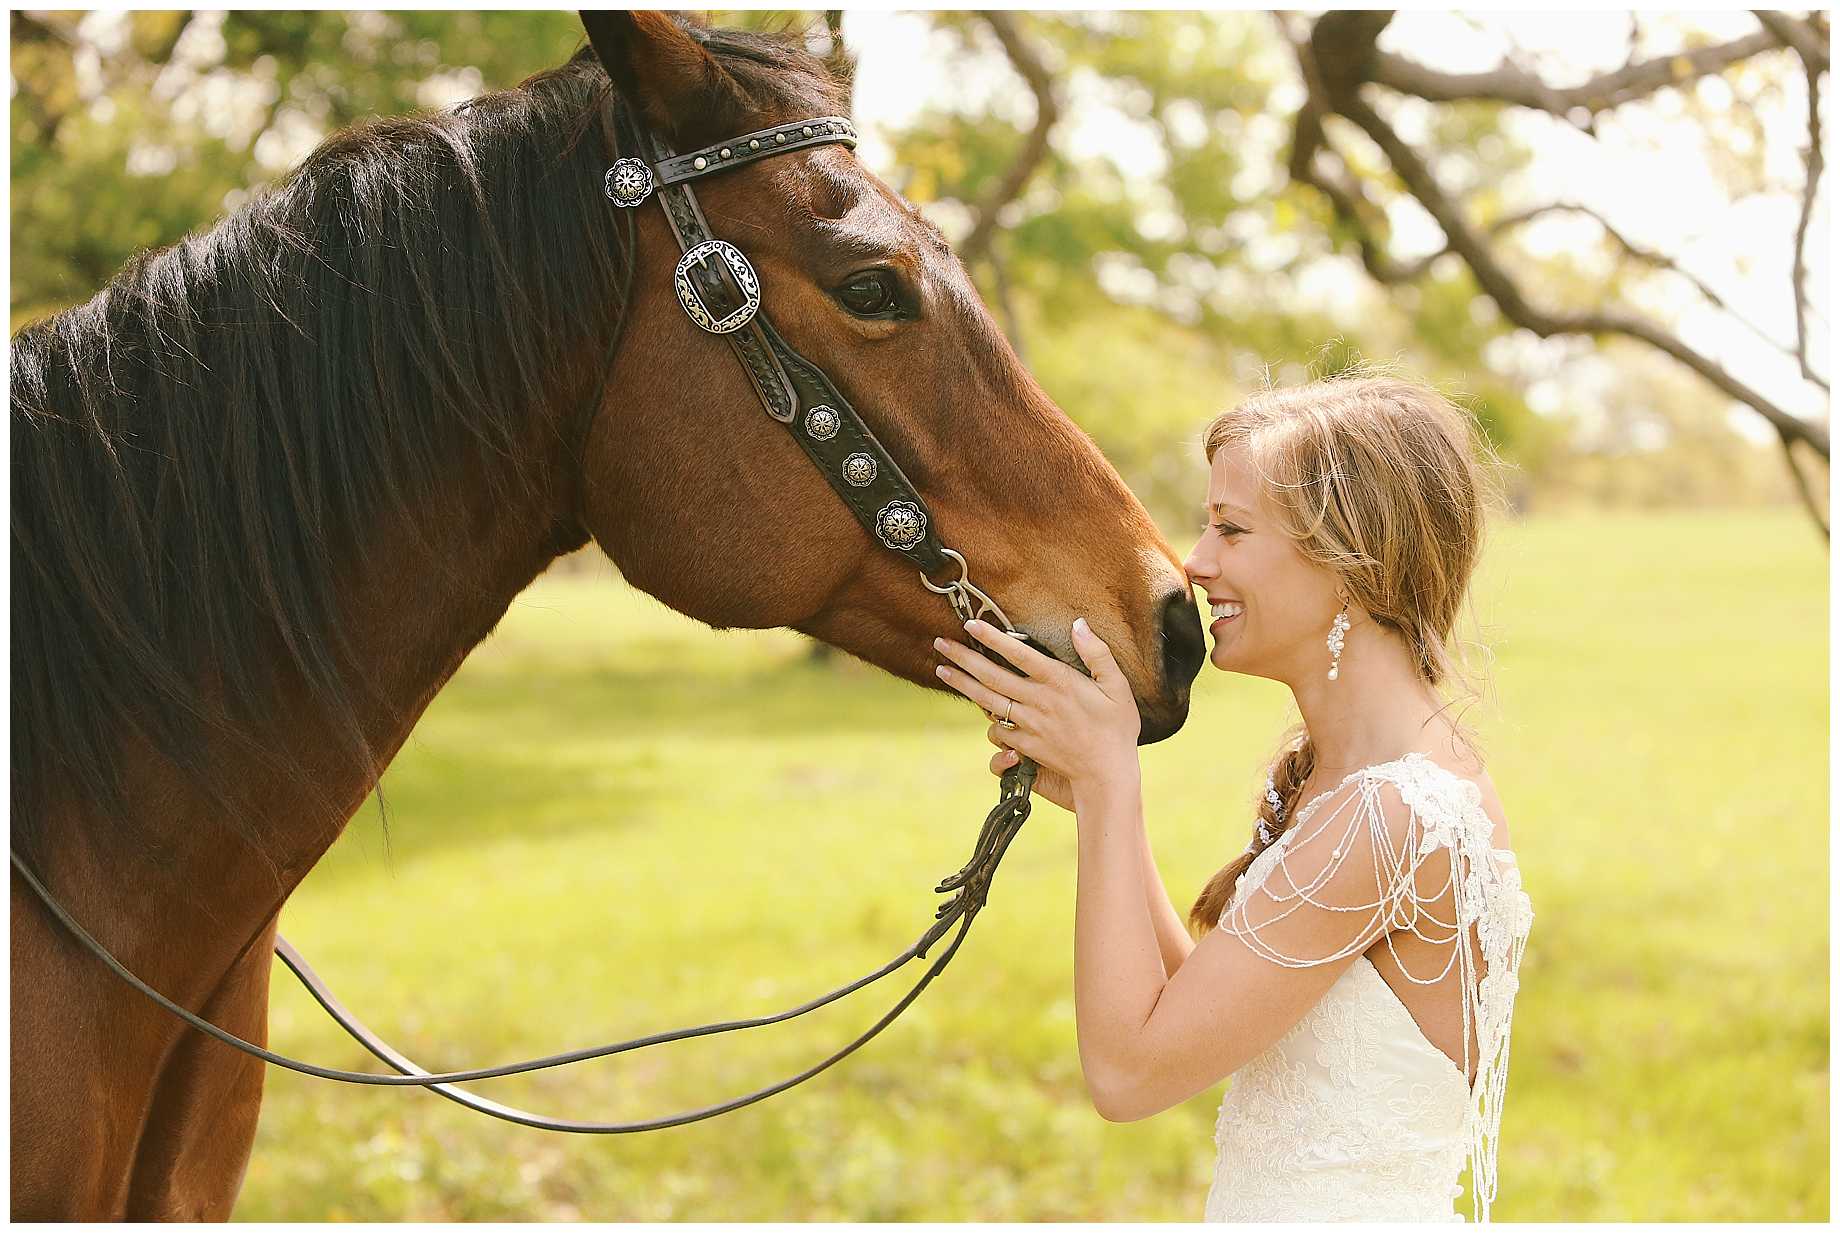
[{"x": 872, "y": 293}]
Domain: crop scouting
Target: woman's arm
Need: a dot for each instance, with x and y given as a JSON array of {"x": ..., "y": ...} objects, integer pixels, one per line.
[
  {"x": 1171, "y": 934},
  {"x": 1147, "y": 1039},
  {"x": 1118, "y": 973}
]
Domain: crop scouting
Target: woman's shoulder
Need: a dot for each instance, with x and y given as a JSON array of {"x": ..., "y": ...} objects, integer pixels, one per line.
[{"x": 1466, "y": 783}]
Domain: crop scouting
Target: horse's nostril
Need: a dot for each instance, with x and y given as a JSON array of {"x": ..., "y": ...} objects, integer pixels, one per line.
[{"x": 1184, "y": 643}]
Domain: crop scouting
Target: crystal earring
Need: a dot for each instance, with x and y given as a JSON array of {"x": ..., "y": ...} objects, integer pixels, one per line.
[{"x": 1337, "y": 635}]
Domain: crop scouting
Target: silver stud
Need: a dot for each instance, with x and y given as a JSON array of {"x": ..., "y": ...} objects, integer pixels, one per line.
[
  {"x": 700, "y": 163},
  {"x": 628, "y": 182},
  {"x": 780, "y": 138},
  {"x": 900, "y": 525},
  {"x": 859, "y": 469},
  {"x": 808, "y": 130},
  {"x": 822, "y": 422},
  {"x": 727, "y": 153},
  {"x": 754, "y": 144}
]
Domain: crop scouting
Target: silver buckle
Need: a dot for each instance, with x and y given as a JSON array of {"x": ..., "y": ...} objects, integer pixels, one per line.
[{"x": 744, "y": 278}]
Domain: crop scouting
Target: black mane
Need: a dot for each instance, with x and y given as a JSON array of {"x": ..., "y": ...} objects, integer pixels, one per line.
[{"x": 200, "y": 445}]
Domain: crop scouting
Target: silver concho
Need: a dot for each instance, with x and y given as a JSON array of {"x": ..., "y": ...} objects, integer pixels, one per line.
[
  {"x": 744, "y": 278},
  {"x": 900, "y": 525},
  {"x": 628, "y": 182},
  {"x": 859, "y": 469},
  {"x": 821, "y": 423}
]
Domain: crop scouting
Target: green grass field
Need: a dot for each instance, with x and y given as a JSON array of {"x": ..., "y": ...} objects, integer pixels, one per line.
[{"x": 615, "y": 821}]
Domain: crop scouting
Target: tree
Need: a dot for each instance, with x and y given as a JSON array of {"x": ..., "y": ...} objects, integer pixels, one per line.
[
  {"x": 1148, "y": 279},
  {"x": 1340, "y": 63},
  {"x": 1145, "y": 300}
]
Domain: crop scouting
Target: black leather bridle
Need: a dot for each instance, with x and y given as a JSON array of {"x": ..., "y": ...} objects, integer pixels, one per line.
[{"x": 721, "y": 293}]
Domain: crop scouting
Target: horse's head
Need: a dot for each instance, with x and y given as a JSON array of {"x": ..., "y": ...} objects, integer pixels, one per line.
[{"x": 707, "y": 503}]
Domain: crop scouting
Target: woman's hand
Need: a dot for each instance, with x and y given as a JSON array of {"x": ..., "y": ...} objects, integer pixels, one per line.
[{"x": 1080, "y": 730}]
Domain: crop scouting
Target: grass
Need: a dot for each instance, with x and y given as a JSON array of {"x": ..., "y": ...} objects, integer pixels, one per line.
[{"x": 615, "y": 821}]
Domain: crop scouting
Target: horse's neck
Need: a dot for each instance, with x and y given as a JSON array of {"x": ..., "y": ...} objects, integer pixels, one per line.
[
  {"x": 426, "y": 592},
  {"x": 424, "y": 596}
]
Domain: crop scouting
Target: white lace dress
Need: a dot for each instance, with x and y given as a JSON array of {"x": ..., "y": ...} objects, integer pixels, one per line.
[{"x": 1353, "y": 1114}]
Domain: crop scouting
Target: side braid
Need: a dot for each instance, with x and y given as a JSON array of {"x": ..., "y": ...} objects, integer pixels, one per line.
[{"x": 1283, "y": 784}]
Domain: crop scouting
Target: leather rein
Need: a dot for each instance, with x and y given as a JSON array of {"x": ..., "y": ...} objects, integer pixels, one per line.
[{"x": 720, "y": 292}]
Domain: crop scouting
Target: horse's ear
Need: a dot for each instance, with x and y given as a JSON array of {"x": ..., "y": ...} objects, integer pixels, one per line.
[{"x": 660, "y": 67}]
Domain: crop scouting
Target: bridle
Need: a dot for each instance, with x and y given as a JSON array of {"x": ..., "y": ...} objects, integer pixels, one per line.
[{"x": 720, "y": 292}]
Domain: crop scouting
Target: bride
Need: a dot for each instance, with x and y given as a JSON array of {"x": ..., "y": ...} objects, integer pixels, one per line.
[{"x": 1368, "y": 1050}]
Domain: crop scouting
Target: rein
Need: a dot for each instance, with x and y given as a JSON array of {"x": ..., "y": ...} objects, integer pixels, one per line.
[{"x": 720, "y": 292}]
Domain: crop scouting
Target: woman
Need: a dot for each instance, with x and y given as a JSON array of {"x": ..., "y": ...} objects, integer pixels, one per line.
[{"x": 1368, "y": 1050}]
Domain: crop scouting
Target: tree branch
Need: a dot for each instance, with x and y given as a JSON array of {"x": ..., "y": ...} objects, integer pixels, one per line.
[
  {"x": 1034, "y": 147},
  {"x": 1815, "y": 162},
  {"x": 1807, "y": 37},
  {"x": 1508, "y": 296},
  {"x": 1802, "y": 488},
  {"x": 1651, "y": 258},
  {"x": 1510, "y": 84},
  {"x": 1342, "y": 40},
  {"x": 1346, "y": 197}
]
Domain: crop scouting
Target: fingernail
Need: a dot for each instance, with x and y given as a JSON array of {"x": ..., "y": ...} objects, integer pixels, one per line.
[
  {"x": 940, "y": 670},
  {"x": 973, "y": 623},
  {"x": 939, "y": 644},
  {"x": 1080, "y": 624}
]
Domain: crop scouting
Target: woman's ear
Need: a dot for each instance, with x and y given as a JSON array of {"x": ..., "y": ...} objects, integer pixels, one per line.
[{"x": 658, "y": 65}]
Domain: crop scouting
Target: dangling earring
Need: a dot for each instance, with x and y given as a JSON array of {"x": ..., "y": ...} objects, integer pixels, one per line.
[{"x": 1337, "y": 635}]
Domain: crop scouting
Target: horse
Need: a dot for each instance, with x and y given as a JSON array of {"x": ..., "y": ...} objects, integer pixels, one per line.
[{"x": 274, "y": 481}]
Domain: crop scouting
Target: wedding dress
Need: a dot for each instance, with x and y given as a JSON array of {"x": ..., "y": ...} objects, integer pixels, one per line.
[{"x": 1353, "y": 1114}]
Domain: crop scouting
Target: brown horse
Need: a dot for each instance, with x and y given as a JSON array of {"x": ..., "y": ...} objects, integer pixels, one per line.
[{"x": 273, "y": 483}]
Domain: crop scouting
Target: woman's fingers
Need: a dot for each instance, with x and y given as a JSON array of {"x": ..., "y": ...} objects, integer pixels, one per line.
[
  {"x": 1027, "y": 659},
  {"x": 994, "y": 703},
  {"x": 987, "y": 671}
]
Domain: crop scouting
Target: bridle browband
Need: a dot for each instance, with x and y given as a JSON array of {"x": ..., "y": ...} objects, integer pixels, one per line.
[{"x": 720, "y": 292}]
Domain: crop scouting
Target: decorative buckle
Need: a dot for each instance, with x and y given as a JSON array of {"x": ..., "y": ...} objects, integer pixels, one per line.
[
  {"x": 628, "y": 182},
  {"x": 744, "y": 278}
]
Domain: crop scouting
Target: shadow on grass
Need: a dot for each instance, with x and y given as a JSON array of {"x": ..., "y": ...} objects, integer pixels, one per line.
[
  {"x": 651, "y": 688},
  {"x": 539, "y": 747}
]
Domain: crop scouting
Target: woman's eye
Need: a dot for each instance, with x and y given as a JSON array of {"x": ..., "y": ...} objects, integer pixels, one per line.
[
  {"x": 870, "y": 294},
  {"x": 1227, "y": 530}
]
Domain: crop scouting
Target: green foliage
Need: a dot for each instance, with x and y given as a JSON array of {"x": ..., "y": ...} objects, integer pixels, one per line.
[
  {"x": 153, "y": 150},
  {"x": 129, "y": 130},
  {"x": 600, "y": 829},
  {"x": 1197, "y": 87}
]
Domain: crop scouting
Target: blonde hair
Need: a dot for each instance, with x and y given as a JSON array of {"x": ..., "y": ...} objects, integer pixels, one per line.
[{"x": 1384, "y": 482}]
